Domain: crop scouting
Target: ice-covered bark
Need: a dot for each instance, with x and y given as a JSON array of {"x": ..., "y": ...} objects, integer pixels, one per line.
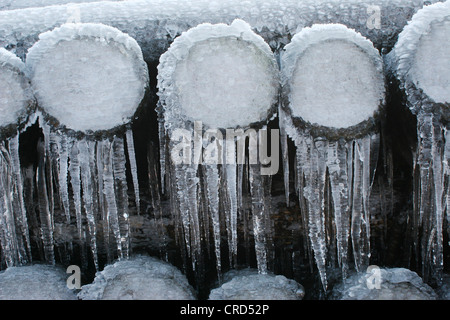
[
  {"x": 333, "y": 86},
  {"x": 379, "y": 20}
]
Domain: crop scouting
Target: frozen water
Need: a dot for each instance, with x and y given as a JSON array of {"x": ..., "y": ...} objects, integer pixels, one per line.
[
  {"x": 432, "y": 61},
  {"x": 335, "y": 76},
  {"x": 444, "y": 289},
  {"x": 394, "y": 284},
  {"x": 334, "y": 173},
  {"x": 420, "y": 61},
  {"x": 21, "y": 4},
  {"x": 225, "y": 76},
  {"x": 247, "y": 284},
  {"x": 138, "y": 278},
  {"x": 35, "y": 282},
  {"x": 420, "y": 56},
  {"x": 163, "y": 20},
  {"x": 88, "y": 76},
  {"x": 16, "y": 95}
]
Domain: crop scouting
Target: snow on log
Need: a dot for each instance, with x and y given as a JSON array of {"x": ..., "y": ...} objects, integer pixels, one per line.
[
  {"x": 224, "y": 76},
  {"x": 332, "y": 77},
  {"x": 89, "y": 77},
  {"x": 154, "y": 23},
  {"x": 15, "y": 93},
  {"x": 421, "y": 56}
]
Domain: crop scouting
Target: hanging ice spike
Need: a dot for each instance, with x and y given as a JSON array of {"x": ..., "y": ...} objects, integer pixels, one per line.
[
  {"x": 420, "y": 61},
  {"x": 203, "y": 131},
  {"x": 86, "y": 149},
  {"x": 333, "y": 91},
  {"x": 16, "y": 103}
]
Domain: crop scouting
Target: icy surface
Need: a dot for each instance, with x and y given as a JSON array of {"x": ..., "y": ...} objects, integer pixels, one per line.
[
  {"x": 421, "y": 55},
  {"x": 225, "y": 76},
  {"x": 335, "y": 76},
  {"x": 395, "y": 284},
  {"x": 36, "y": 282},
  {"x": 247, "y": 284},
  {"x": 21, "y": 4},
  {"x": 139, "y": 278},
  {"x": 88, "y": 76},
  {"x": 444, "y": 289},
  {"x": 163, "y": 20},
  {"x": 15, "y": 93}
]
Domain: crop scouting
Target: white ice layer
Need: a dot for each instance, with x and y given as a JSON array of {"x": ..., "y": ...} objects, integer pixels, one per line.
[
  {"x": 247, "y": 284},
  {"x": 334, "y": 75},
  {"x": 88, "y": 76},
  {"x": 36, "y": 282},
  {"x": 384, "y": 284},
  {"x": 423, "y": 50},
  {"x": 15, "y": 93},
  {"x": 139, "y": 278},
  {"x": 225, "y": 76}
]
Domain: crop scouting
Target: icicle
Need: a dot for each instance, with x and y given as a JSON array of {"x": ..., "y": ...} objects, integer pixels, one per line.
[
  {"x": 44, "y": 212},
  {"x": 102, "y": 152},
  {"x": 74, "y": 170},
  {"x": 121, "y": 190},
  {"x": 88, "y": 199},
  {"x": 9, "y": 238},
  {"x": 337, "y": 167},
  {"x": 133, "y": 167},
  {"x": 285, "y": 154},
  {"x": 212, "y": 187},
  {"x": 63, "y": 175},
  {"x": 446, "y": 162},
  {"x": 112, "y": 217},
  {"x": 231, "y": 191},
  {"x": 257, "y": 193},
  {"x": 21, "y": 213}
]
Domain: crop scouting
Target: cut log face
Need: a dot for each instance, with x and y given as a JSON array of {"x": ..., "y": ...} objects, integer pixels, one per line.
[
  {"x": 89, "y": 77},
  {"x": 224, "y": 76},
  {"x": 333, "y": 77},
  {"x": 15, "y": 92}
]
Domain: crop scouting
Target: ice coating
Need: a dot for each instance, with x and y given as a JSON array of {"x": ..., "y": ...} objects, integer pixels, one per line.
[
  {"x": 247, "y": 284},
  {"x": 22, "y": 4},
  {"x": 89, "y": 77},
  {"x": 15, "y": 93},
  {"x": 163, "y": 20},
  {"x": 138, "y": 278},
  {"x": 422, "y": 52},
  {"x": 225, "y": 76},
  {"x": 35, "y": 282},
  {"x": 333, "y": 76}
]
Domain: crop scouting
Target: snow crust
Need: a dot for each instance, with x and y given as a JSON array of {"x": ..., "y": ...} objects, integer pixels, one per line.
[
  {"x": 15, "y": 93},
  {"x": 36, "y": 282},
  {"x": 247, "y": 284},
  {"x": 422, "y": 52},
  {"x": 224, "y": 76},
  {"x": 396, "y": 284},
  {"x": 88, "y": 76},
  {"x": 138, "y": 278},
  {"x": 333, "y": 75}
]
